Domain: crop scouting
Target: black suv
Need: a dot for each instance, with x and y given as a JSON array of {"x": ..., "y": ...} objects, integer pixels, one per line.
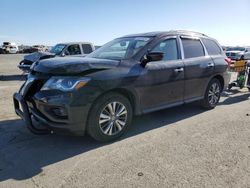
[{"x": 131, "y": 75}]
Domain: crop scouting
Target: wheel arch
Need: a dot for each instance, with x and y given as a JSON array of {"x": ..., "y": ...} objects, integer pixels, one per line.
[
  {"x": 221, "y": 80},
  {"x": 129, "y": 94}
]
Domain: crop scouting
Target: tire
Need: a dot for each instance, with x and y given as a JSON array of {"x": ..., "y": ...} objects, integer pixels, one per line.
[
  {"x": 104, "y": 125},
  {"x": 212, "y": 95}
]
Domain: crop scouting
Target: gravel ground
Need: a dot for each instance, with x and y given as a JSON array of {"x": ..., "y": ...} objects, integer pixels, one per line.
[{"x": 180, "y": 147}]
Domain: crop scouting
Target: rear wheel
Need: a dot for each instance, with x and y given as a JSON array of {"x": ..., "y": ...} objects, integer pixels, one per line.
[
  {"x": 212, "y": 95},
  {"x": 109, "y": 117}
]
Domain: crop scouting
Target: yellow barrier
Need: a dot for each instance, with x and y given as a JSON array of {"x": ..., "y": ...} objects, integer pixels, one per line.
[{"x": 238, "y": 66}]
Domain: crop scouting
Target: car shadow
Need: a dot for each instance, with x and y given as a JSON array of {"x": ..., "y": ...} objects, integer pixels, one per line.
[
  {"x": 24, "y": 155},
  {"x": 19, "y": 77},
  {"x": 233, "y": 97}
]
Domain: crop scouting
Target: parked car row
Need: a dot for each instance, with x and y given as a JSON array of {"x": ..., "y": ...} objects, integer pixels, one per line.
[
  {"x": 12, "y": 48},
  {"x": 132, "y": 75},
  {"x": 32, "y": 49}
]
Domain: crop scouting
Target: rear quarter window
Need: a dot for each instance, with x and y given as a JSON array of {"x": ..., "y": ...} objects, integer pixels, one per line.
[
  {"x": 87, "y": 48},
  {"x": 212, "y": 47},
  {"x": 192, "y": 48}
]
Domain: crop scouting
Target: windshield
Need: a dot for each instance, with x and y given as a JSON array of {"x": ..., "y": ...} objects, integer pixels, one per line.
[
  {"x": 236, "y": 49},
  {"x": 57, "y": 49},
  {"x": 121, "y": 48}
]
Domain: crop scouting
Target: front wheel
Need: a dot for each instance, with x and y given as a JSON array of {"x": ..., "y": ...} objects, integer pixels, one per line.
[
  {"x": 212, "y": 95},
  {"x": 109, "y": 117}
]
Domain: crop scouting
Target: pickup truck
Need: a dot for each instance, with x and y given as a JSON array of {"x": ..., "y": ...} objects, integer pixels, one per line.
[
  {"x": 238, "y": 53},
  {"x": 79, "y": 49}
]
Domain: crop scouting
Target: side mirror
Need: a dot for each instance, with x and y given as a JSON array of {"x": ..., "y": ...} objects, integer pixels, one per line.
[{"x": 152, "y": 56}]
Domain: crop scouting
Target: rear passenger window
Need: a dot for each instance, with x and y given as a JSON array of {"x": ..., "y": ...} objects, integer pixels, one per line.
[
  {"x": 192, "y": 48},
  {"x": 169, "y": 48},
  {"x": 212, "y": 47},
  {"x": 87, "y": 49}
]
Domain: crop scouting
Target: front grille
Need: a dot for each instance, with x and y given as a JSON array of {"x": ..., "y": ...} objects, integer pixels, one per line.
[
  {"x": 40, "y": 75},
  {"x": 34, "y": 83},
  {"x": 35, "y": 87}
]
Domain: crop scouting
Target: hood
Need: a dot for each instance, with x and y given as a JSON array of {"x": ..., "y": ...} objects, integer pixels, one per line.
[
  {"x": 36, "y": 56},
  {"x": 73, "y": 65}
]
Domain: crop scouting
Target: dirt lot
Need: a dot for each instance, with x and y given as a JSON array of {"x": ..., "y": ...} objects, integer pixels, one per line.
[{"x": 181, "y": 147}]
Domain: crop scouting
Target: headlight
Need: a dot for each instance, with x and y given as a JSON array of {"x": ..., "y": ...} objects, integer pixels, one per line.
[{"x": 65, "y": 83}]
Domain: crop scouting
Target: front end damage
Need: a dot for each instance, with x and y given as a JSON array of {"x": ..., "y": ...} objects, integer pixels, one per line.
[
  {"x": 29, "y": 59},
  {"x": 49, "y": 111},
  {"x": 46, "y": 98}
]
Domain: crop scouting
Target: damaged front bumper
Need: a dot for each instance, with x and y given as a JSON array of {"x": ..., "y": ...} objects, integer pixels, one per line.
[{"x": 47, "y": 111}]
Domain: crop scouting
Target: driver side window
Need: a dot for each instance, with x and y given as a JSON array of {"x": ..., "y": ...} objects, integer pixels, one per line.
[
  {"x": 169, "y": 48},
  {"x": 73, "y": 50}
]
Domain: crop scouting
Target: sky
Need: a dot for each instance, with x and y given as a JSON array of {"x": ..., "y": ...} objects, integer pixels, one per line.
[{"x": 49, "y": 22}]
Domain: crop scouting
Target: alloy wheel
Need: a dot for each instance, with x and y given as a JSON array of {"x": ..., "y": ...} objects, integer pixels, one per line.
[
  {"x": 214, "y": 93},
  {"x": 113, "y": 118}
]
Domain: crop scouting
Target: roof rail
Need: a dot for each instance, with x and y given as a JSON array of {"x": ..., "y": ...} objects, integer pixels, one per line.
[{"x": 188, "y": 32}]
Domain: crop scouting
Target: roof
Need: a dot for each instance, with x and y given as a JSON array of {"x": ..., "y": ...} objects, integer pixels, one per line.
[
  {"x": 172, "y": 32},
  {"x": 68, "y": 43}
]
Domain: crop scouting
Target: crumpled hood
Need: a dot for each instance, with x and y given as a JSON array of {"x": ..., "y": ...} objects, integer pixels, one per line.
[
  {"x": 73, "y": 65},
  {"x": 36, "y": 56}
]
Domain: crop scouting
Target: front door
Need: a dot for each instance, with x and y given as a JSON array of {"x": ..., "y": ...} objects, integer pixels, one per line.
[{"x": 163, "y": 83}]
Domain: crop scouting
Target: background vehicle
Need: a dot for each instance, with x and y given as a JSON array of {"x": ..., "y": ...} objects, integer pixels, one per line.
[
  {"x": 131, "y": 75},
  {"x": 62, "y": 49},
  {"x": 238, "y": 53},
  {"x": 9, "y": 48},
  {"x": 35, "y": 48}
]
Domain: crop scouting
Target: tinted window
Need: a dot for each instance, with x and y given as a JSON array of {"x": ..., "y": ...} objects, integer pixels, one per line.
[
  {"x": 74, "y": 49},
  {"x": 169, "y": 48},
  {"x": 87, "y": 49},
  {"x": 212, "y": 47},
  {"x": 192, "y": 48}
]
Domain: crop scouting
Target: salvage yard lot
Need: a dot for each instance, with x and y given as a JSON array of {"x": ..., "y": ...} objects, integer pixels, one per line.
[{"x": 180, "y": 147}]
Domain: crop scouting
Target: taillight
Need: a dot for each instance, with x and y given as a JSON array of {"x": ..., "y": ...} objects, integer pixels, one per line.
[{"x": 228, "y": 60}]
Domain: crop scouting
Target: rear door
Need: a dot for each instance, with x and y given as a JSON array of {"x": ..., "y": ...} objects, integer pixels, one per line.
[
  {"x": 163, "y": 83},
  {"x": 198, "y": 66},
  {"x": 217, "y": 55}
]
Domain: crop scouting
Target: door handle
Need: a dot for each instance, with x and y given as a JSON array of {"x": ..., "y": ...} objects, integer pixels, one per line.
[{"x": 178, "y": 70}]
